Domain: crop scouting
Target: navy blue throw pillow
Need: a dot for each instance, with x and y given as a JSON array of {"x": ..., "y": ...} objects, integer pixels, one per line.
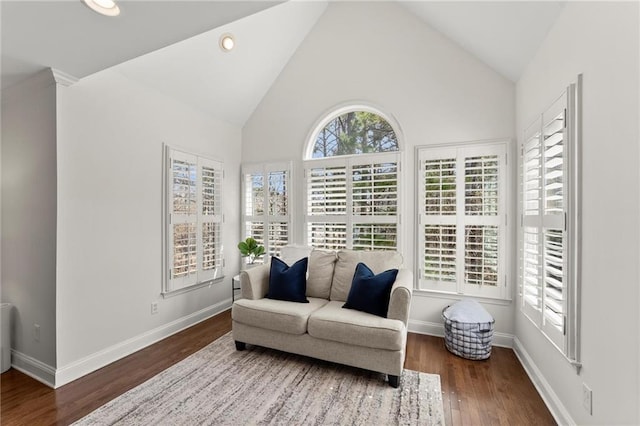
[
  {"x": 369, "y": 292},
  {"x": 288, "y": 282}
]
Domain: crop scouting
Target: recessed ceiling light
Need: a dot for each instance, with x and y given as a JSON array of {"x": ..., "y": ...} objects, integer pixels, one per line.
[
  {"x": 227, "y": 42},
  {"x": 103, "y": 7}
]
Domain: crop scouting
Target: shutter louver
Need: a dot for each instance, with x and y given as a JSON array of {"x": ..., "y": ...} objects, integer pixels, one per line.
[
  {"x": 211, "y": 218},
  {"x": 255, "y": 230},
  {"x": 481, "y": 185},
  {"x": 440, "y": 186},
  {"x": 440, "y": 253},
  {"x": 184, "y": 250},
  {"x": 553, "y": 279},
  {"x": 372, "y": 236},
  {"x": 330, "y": 236},
  {"x": 254, "y": 194},
  {"x": 375, "y": 189},
  {"x": 327, "y": 189},
  {"x": 532, "y": 292},
  {"x": 481, "y": 255},
  {"x": 554, "y": 165},
  {"x": 278, "y": 237},
  {"x": 183, "y": 218},
  {"x": 211, "y": 254},
  {"x": 278, "y": 201},
  {"x": 532, "y": 170},
  {"x": 184, "y": 187}
]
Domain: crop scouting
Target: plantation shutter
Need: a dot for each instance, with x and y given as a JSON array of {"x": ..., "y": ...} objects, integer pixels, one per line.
[
  {"x": 544, "y": 234},
  {"x": 553, "y": 249},
  {"x": 266, "y": 204},
  {"x": 278, "y": 231},
  {"x": 183, "y": 220},
  {"x": 462, "y": 216},
  {"x": 353, "y": 202},
  {"x": 531, "y": 250},
  {"x": 194, "y": 207},
  {"x": 438, "y": 220},
  {"x": 210, "y": 243}
]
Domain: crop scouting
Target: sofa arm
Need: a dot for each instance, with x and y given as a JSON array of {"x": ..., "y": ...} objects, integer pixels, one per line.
[
  {"x": 254, "y": 282},
  {"x": 400, "y": 300}
]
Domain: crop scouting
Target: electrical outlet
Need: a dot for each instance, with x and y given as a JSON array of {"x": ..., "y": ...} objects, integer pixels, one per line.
[
  {"x": 587, "y": 402},
  {"x": 36, "y": 332},
  {"x": 154, "y": 308}
]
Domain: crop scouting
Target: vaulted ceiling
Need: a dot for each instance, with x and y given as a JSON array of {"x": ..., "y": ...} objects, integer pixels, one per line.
[{"x": 173, "y": 45}]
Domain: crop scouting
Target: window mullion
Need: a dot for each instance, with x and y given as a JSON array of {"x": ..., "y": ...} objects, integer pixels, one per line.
[
  {"x": 199, "y": 217},
  {"x": 265, "y": 215},
  {"x": 460, "y": 221},
  {"x": 349, "y": 213}
]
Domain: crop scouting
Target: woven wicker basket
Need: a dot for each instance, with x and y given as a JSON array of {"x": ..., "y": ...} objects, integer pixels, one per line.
[{"x": 470, "y": 340}]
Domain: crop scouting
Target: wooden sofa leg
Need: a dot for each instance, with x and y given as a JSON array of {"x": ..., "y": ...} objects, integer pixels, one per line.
[
  {"x": 394, "y": 381},
  {"x": 241, "y": 346}
]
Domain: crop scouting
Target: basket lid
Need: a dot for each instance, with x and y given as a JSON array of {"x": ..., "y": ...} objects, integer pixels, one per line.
[{"x": 469, "y": 311}]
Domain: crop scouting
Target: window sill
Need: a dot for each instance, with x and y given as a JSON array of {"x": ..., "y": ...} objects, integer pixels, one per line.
[
  {"x": 459, "y": 296},
  {"x": 208, "y": 283}
]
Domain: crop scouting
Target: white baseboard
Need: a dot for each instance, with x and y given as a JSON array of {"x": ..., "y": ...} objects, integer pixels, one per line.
[
  {"x": 33, "y": 368},
  {"x": 555, "y": 406},
  {"x": 437, "y": 329},
  {"x": 95, "y": 361}
]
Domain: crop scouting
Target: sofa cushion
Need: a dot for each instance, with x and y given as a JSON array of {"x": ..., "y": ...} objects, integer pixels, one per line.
[
  {"x": 370, "y": 292},
  {"x": 378, "y": 261},
  {"x": 276, "y": 315},
  {"x": 321, "y": 264},
  {"x": 288, "y": 282},
  {"x": 331, "y": 322}
]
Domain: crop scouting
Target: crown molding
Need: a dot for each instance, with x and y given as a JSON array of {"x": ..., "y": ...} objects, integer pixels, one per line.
[{"x": 63, "y": 78}]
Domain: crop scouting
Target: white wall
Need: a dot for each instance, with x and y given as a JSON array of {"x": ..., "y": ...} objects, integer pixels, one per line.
[
  {"x": 29, "y": 215},
  {"x": 600, "y": 40},
  {"x": 379, "y": 53},
  {"x": 110, "y": 136}
]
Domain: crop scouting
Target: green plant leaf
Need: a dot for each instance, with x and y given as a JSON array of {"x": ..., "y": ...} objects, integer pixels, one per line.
[{"x": 250, "y": 247}]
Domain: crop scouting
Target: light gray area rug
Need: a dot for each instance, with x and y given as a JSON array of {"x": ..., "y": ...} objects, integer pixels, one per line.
[{"x": 219, "y": 385}]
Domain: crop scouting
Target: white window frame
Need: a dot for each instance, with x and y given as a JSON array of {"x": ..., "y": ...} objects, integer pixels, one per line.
[
  {"x": 457, "y": 153},
  {"x": 533, "y": 217},
  {"x": 199, "y": 275},
  {"x": 348, "y": 218},
  {"x": 264, "y": 169}
]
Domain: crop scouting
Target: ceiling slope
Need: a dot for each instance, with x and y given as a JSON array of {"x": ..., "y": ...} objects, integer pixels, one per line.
[
  {"x": 228, "y": 85},
  {"x": 68, "y": 36},
  {"x": 503, "y": 34}
]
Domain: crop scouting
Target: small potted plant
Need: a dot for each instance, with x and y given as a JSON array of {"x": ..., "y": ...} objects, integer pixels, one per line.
[{"x": 250, "y": 249}]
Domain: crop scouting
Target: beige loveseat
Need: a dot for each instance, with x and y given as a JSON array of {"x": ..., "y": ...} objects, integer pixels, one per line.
[{"x": 322, "y": 328}]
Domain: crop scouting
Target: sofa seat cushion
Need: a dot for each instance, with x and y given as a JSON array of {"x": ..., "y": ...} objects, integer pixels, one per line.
[
  {"x": 332, "y": 322},
  {"x": 277, "y": 315}
]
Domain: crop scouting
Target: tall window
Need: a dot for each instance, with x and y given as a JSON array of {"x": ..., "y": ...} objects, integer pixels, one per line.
[
  {"x": 193, "y": 220},
  {"x": 548, "y": 231},
  {"x": 462, "y": 219},
  {"x": 352, "y": 182},
  {"x": 266, "y": 200}
]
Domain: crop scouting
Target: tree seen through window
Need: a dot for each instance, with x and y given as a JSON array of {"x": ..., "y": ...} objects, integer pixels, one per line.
[{"x": 355, "y": 132}]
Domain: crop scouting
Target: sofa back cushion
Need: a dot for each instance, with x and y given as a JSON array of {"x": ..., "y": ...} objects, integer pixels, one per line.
[
  {"x": 321, "y": 264},
  {"x": 377, "y": 261}
]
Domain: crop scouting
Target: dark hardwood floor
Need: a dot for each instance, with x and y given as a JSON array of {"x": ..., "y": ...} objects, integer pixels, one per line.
[{"x": 491, "y": 392}]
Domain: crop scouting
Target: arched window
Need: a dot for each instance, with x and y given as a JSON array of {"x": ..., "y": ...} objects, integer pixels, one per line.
[
  {"x": 352, "y": 177},
  {"x": 355, "y": 132}
]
